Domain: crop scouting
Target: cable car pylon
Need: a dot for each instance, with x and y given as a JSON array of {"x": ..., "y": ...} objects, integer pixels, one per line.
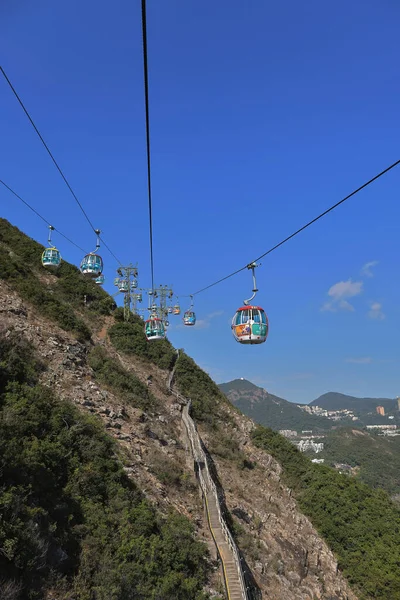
[
  {"x": 157, "y": 323},
  {"x": 127, "y": 284}
]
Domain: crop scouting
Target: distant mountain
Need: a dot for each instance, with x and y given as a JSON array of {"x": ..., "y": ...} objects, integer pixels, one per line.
[
  {"x": 336, "y": 401},
  {"x": 270, "y": 410}
]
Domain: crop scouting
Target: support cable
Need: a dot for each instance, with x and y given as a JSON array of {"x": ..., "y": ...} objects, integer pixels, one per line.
[
  {"x": 146, "y": 101},
  {"x": 364, "y": 185},
  {"x": 41, "y": 217},
  {"x": 53, "y": 159}
]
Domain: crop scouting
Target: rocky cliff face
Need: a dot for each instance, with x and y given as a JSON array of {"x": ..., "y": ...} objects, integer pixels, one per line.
[{"x": 287, "y": 558}]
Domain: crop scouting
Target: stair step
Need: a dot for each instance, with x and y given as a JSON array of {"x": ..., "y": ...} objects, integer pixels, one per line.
[{"x": 225, "y": 551}]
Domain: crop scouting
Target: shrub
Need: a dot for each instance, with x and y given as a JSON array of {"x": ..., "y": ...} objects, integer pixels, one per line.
[
  {"x": 129, "y": 338},
  {"x": 360, "y": 525},
  {"x": 195, "y": 384},
  {"x": 72, "y": 523},
  {"x": 20, "y": 265},
  {"x": 113, "y": 375}
]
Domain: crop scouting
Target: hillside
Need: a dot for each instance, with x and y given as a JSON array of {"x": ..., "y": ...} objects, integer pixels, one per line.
[
  {"x": 336, "y": 401},
  {"x": 72, "y": 518},
  {"x": 375, "y": 459},
  {"x": 99, "y": 487},
  {"x": 270, "y": 410}
]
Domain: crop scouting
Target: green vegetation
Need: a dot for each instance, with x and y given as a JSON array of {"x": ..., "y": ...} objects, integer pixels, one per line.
[
  {"x": 169, "y": 471},
  {"x": 21, "y": 278},
  {"x": 110, "y": 373},
  {"x": 20, "y": 266},
  {"x": 248, "y": 543},
  {"x": 360, "y": 525},
  {"x": 377, "y": 457},
  {"x": 129, "y": 338},
  {"x": 227, "y": 447},
  {"x": 73, "y": 286},
  {"x": 70, "y": 519},
  {"x": 199, "y": 387}
]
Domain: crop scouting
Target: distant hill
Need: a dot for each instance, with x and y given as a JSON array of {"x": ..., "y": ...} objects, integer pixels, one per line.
[
  {"x": 270, "y": 410},
  {"x": 360, "y": 406},
  {"x": 376, "y": 459}
]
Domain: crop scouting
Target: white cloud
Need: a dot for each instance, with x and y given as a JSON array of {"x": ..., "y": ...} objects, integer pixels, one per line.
[
  {"x": 339, "y": 292},
  {"x": 366, "y": 270},
  {"x": 345, "y": 305},
  {"x": 364, "y": 360},
  {"x": 375, "y": 311},
  {"x": 345, "y": 289}
]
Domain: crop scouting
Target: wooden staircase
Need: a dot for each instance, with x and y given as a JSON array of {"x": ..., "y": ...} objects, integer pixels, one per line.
[
  {"x": 231, "y": 575},
  {"x": 227, "y": 550},
  {"x": 234, "y": 580}
]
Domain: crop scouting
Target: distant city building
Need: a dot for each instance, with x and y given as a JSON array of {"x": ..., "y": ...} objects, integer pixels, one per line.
[
  {"x": 380, "y": 410},
  {"x": 398, "y": 403},
  {"x": 304, "y": 445},
  {"x": 334, "y": 415},
  {"x": 381, "y": 426},
  {"x": 288, "y": 433},
  {"x": 319, "y": 461}
]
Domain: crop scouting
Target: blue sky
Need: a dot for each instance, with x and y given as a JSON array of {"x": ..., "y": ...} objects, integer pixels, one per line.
[{"x": 262, "y": 116}]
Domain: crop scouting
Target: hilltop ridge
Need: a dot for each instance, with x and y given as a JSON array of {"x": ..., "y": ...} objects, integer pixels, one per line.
[
  {"x": 268, "y": 409},
  {"x": 337, "y": 401}
]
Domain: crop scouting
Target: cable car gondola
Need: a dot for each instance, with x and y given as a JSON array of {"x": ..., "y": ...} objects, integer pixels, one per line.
[
  {"x": 250, "y": 323},
  {"x": 154, "y": 328},
  {"x": 51, "y": 257},
  {"x": 189, "y": 316},
  {"x": 123, "y": 285},
  {"x": 92, "y": 263},
  {"x": 100, "y": 279}
]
